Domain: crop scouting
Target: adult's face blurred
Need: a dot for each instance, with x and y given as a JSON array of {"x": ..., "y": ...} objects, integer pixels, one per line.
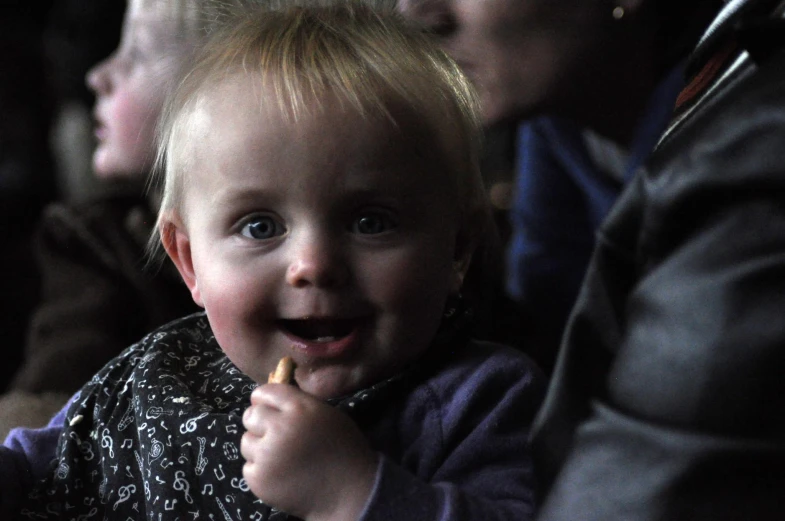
[{"x": 523, "y": 55}]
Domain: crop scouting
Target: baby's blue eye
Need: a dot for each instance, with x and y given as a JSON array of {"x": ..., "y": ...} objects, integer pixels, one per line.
[
  {"x": 262, "y": 227},
  {"x": 372, "y": 224}
]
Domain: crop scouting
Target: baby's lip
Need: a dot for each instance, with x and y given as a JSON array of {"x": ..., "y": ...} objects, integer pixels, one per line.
[
  {"x": 99, "y": 129},
  {"x": 323, "y": 338},
  {"x": 319, "y": 329}
]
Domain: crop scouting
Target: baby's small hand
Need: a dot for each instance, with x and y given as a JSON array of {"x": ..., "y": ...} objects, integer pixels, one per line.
[{"x": 305, "y": 457}]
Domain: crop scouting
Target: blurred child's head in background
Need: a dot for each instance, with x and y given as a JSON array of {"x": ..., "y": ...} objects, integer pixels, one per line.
[
  {"x": 321, "y": 191},
  {"x": 130, "y": 85}
]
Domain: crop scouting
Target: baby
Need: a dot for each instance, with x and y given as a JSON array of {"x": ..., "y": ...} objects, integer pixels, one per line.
[{"x": 321, "y": 200}]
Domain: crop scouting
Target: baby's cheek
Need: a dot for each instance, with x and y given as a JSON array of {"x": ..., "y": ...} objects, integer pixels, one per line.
[
  {"x": 416, "y": 283},
  {"x": 136, "y": 132},
  {"x": 239, "y": 331},
  {"x": 232, "y": 340},
  {"x": 225, "y": 321}
]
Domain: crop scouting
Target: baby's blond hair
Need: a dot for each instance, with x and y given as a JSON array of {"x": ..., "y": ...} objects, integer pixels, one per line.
[{"x": 367, "y": 58}]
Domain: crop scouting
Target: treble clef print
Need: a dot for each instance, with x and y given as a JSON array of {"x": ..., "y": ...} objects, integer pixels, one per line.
[
  {"x": 191, "y": 361},
  {"x": 124, "y": 493},
  {"x": 190, "y": 424},
  {"x": 181, "y": 484},
  {"x": 106, "y": 442}
]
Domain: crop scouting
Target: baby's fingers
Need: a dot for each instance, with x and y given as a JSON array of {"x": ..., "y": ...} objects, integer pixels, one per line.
[
  {"x": 262, "y": 463},
  {"x": 253, "y": 419},
  {"x": 276, "y": 396},
  {"x": 251, "y": 446}
]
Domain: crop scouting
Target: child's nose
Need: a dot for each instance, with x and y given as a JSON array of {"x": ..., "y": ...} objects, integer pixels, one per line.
[
  {"x": 98, "y": 78},
  {"x": 317, "y": 262}
]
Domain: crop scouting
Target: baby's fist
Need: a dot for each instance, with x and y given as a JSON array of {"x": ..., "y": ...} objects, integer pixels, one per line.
[{"x": 305, "y": 457}]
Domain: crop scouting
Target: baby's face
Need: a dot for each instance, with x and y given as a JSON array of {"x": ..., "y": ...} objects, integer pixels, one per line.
[
  {"x": 130, "y": 86},
  {"x": 331, "y": 239}
]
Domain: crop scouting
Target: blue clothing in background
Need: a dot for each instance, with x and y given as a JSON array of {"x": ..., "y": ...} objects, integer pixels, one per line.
[{"x": 562, "y": 196}]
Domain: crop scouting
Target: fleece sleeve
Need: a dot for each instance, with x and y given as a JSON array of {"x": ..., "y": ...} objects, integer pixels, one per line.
[
  {"x": 483, "y": 469},
  {"x": 25, "y": 457}
]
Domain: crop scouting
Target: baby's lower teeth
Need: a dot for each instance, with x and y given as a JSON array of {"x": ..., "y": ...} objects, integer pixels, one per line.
[{"x": 325, "y": 339}]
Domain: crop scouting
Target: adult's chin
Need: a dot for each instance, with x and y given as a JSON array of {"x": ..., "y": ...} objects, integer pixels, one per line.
[{"x": 498, "y": 109}]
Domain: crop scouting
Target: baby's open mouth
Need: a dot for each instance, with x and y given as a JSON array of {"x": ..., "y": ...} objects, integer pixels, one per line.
[{"x": 319, "y": 330}]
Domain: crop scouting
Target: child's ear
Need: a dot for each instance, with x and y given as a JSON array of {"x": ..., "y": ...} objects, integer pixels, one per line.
[{"x": 174, "y": 238}]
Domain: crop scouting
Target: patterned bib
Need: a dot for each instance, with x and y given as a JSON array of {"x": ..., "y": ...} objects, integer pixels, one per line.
[{"x": 156, "y": 435}]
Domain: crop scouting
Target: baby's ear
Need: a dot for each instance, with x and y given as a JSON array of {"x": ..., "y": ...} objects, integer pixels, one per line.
[{"x": 174, "y": 238}]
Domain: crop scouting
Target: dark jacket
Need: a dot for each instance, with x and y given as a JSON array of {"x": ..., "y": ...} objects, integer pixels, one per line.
[
  {"x": 668, "y": 397},
  {"x": 96, "y": 299},
  {"x": 562, "y": 195}
]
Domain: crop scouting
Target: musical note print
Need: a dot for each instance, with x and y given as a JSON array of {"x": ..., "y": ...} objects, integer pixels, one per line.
[{"x": 153, "y": 418}]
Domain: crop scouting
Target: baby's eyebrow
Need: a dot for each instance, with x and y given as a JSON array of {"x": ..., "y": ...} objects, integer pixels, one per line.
[{"x": 244, "y": 196}]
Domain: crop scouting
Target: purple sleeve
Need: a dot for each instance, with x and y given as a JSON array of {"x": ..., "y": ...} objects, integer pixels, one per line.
[
  {"x": 26, "y": 456},
  {"x": 484, "y": 469}
]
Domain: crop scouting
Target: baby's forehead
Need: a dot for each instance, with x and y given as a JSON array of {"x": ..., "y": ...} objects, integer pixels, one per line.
[
  {"x": 243, "y": 106},
  {"x": 160, "y": 21},
  {"x": 162, "y": 8},
  {"x": 270, "y": 94}
]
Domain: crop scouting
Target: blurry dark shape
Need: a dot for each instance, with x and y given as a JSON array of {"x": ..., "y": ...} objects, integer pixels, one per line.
[
  {"x": 26, "y": 106},
  {"x": 26, "y": 173},
  {"x": 496, "y": 315},
  {"x": 94, "y": 297},
  {"x": 78, "y": 34},
  {"x": 46, "y": 48}
]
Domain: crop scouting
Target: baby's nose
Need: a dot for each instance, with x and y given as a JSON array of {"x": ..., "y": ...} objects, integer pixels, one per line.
[
  {"x": 317, "y": 262},
  {"x": 98, "y": 78}
]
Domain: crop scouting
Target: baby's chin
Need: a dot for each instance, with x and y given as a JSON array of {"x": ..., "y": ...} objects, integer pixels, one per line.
[
  {"x": 107, "y": 166},
  {"x": 329, "y": 382}
]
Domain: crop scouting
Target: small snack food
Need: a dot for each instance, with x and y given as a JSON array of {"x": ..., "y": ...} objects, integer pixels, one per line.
[{"x": 284, "y": 372}]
